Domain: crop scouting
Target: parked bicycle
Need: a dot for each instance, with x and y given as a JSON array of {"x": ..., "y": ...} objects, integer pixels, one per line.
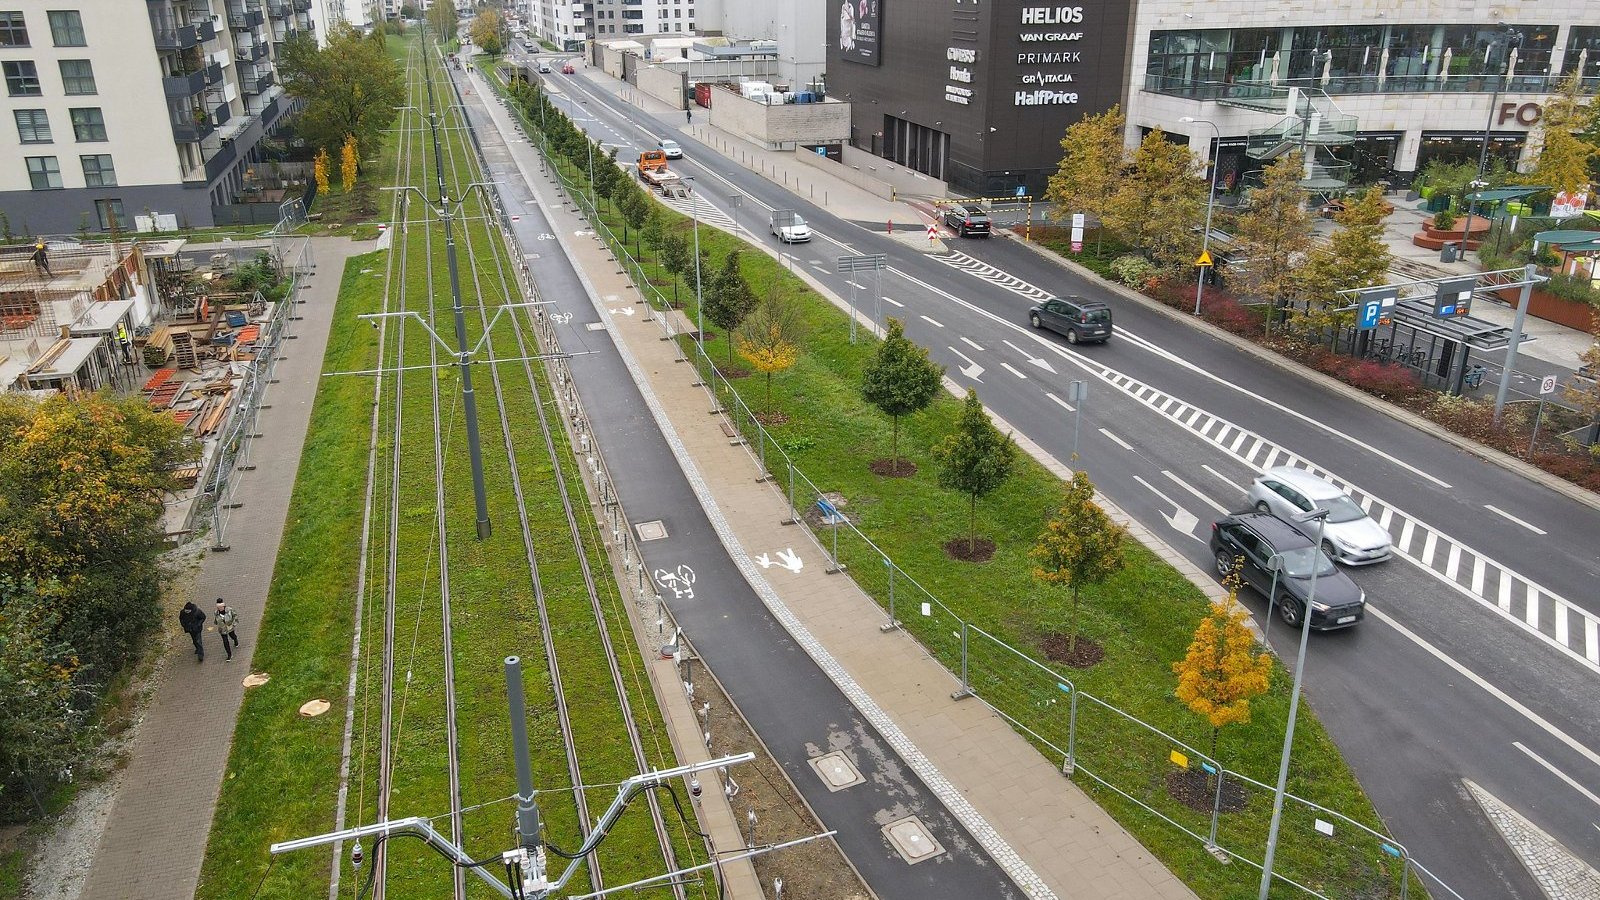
[{"x": 1474, "y": 376}]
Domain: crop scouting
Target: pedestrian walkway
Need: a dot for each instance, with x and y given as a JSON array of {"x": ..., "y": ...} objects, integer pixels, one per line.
[
  {"x": 155, "y": 832},
  {"x": 1035, "y": 823}
]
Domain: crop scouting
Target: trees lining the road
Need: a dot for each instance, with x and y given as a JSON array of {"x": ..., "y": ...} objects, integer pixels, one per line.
[
  {"x": 1220, "y": 674},
  {"x": 974, "y": 459},
  {"x": 1080, "y": 545},
  {"x": 1092, "y": 160},
  {"x": 729, "y": 299},
  {"x": 1274, "y": 231},
  {"x": 1158, "y": 202},
  {"x": 1356, "y": 256},
  {"x": 351, "y": 87},
  {"x": 900, "y": 380}
]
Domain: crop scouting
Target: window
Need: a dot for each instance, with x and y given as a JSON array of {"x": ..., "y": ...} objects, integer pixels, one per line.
[
  {"x": 22, "y": 78},
  {"x": 13, "y": 32},
  {"x": 33, "y": 126},
  {"x": 110, "y": 214},
  {"x": 66, "y": 28},
  {"x": 98, "y": 171},
  {"x": 44, "y": 172},
  {"x": 77, "y": 77},
  {"x": 88, "y": 124}
]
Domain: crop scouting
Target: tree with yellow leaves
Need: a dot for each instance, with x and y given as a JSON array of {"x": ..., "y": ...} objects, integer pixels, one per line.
[
  {"x": 319, "y": 169},
  {"x": 348, "y": 161},
  {"x": 1220, "y": 675},
  {"x": 1081, "y": 545},
  {"x": 770, "y": 338}
]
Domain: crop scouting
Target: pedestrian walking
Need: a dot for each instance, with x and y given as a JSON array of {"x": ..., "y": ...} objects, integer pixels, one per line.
[
  {"x": 193, "y": 621},
  {"x": 227, "y": 620},
  {"x": 688, "y": 114},
  {"x": 41, "y": 258}
]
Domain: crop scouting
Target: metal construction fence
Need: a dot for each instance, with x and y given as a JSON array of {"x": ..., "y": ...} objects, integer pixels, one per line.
[
  {"x": 1122, "y": 759},
  {"x": 219, "y": 494}
]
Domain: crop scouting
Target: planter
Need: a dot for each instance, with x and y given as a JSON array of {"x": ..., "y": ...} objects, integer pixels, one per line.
[
  {"x": 1542, "y": 305},
  {"x": 1434, "y": 238}
]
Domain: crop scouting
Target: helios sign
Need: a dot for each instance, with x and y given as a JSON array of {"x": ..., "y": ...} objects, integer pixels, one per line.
[{"x": 1048, "y": 26}]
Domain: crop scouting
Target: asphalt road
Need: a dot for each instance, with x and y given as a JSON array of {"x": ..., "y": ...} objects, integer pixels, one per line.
[
  {"x": 1480, "y": 656},
  {"x": 777, "y": 686}
]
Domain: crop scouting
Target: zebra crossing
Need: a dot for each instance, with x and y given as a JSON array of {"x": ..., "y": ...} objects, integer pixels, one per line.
[
  {"x": 702, "y": 210},
  {"x": 1004, "y": 280},
  {"x": 1510, "y": 594}
]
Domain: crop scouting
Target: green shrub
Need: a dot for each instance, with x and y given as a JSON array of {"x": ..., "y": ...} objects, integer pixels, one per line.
[{"x": 1133, "y": 270}]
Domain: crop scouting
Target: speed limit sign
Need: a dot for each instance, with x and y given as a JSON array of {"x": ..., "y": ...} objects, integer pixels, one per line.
[{"x": 1548, "y": 385}]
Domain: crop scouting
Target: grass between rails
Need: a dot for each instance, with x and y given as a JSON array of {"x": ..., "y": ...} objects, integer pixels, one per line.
[
  {"x": 284, "y": 771},
  {"x": 1145, "y": 617}
]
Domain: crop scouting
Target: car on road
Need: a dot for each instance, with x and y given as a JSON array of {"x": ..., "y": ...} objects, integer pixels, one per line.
[
  {"x": 670, "y": 148},
  {"x": 787, "y": 226},
  {"x": 1349, "y": 535},
  {"x": 568, "y": 69},
  {"x": 1245, "y": 544},
  {"x": 1076, "y": 318},
  {"x": 967, "y": 220},
  {"x": 544, "y": 68}
]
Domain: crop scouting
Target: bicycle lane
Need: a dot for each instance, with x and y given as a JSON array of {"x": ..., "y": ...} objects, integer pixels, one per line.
[{"x": 878, "y": 698}]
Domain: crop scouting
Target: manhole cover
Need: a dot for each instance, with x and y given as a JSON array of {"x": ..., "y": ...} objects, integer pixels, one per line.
[
  {"x": 596, "y": 326},
  {"x": 910, "y": 838},
  {"x": 651, "y": 531},
  {"x": 836, "y": 771}
]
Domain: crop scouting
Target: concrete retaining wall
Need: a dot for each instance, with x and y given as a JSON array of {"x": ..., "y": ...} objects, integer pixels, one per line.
[
  {"x": 783, "y": 126},
  {"x": 661, "y": 83}
]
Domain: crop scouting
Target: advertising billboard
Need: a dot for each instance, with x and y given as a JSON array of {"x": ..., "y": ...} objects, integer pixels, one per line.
[{"x": 860, "y": 31}]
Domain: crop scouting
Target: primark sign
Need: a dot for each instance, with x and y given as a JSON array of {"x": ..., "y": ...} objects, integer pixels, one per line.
[{"x": 1048, "y": 27}]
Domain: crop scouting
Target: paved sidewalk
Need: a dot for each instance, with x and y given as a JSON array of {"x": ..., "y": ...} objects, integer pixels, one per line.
[
  {"x": 1036, "y": 823},
  {"x": 155, "y": 833}
]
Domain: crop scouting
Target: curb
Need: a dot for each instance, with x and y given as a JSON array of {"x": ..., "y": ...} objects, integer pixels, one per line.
[{"x": 1488, "y": 454}]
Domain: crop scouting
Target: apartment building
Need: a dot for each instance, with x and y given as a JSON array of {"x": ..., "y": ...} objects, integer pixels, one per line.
[
  {"x": 614, "y": 19},
  {"x": 123, "y": 109}
]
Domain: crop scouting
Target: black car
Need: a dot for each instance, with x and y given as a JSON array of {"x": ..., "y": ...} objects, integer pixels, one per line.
[
  {"x": 1078, "y": 319},
  {"x": 967, "y": 220},
  {"x": 1246, "y": 542}
]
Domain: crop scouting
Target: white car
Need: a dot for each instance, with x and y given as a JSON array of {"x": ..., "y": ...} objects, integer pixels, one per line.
[
  {"x": 671, "y": 149},
  {"x": 1349, "y": 535}
]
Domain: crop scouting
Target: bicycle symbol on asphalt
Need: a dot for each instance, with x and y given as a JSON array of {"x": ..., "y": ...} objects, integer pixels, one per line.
[{"x": 679, "y": 582}]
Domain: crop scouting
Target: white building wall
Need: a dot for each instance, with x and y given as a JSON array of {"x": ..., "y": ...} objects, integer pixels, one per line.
[{"x": 799, "y": 27}]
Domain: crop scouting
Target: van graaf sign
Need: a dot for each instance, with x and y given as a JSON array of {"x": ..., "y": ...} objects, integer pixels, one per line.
[{"x": 1048, "y": 26}]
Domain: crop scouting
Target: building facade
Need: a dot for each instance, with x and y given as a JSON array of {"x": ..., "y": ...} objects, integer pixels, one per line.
[
  {"x": 562, "y": 23},
  {"x": 618, "y": 19},
  {"x": 116, "y": 110},
  {"x": 796, "y": 28}
]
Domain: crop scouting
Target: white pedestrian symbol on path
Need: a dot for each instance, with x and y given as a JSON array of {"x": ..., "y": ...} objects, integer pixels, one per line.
[
  {"x": 787, "y": 558},
  {"x": 679, "y": 582}
]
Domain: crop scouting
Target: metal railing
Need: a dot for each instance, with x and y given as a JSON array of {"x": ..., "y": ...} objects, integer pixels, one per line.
[{"x": 1112, "y": 748}]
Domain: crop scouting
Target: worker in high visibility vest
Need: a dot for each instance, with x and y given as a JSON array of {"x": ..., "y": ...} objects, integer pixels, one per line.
[{"x": 125, "y": 342}]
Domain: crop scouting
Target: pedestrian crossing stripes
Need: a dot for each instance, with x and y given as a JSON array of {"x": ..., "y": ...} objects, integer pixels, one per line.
[
  {"x": 706, "y": 213},
  {"x": 989, "y": 273}
]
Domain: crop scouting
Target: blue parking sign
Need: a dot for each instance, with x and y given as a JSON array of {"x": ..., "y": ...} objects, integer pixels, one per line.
[{"x": 1371, "y": 312}]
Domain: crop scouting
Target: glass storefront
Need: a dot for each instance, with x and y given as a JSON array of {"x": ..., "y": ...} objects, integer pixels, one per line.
[
  {"x": 1583, "y": 52},
  {"x": 1465, "y": 147}
]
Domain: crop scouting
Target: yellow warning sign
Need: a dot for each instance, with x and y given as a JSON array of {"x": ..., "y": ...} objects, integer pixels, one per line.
[
  {"x": 1205, "y": 259},
  {"x": 1178, "y": 759}
]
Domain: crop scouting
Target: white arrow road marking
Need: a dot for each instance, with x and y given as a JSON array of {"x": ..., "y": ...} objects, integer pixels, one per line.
[
  {"x": 971, "y": 343},
  {"x": 1221, "y": 510},
  {"x": 934, "y": 322},
  {"x": 1571, "y": 782},
  {"x": 1060, "y": 402},
  {"x": 1041, "y": 363},
  {"x": 1500, "y": 512},
  {"x": 856, "y": 286},
  {"x": 895, "y": 302},
  {"x": 583, "y": 233},
  {"x": 1013, "y": 370},
  {"x": 1181, "y": 519},
  {"x": 971, "y": 369},
  {"x": 625, "y": 311},
  {"x": 1224, "y": 479},
  {"x": 1119, "y": 441}
]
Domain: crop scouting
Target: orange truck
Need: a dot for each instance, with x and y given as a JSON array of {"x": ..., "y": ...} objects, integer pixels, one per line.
[{"x": 653, "y": 170}]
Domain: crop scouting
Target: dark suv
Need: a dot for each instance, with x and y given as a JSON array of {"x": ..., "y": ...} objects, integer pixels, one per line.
[
  {"x": 1246, "y": 542},
  {"x": 1079, "y": 319},
  {"x": 967, "y": 220}
]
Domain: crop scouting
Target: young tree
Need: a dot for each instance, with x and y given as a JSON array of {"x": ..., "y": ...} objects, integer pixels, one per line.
[
  {"x": 1356, "y": 255},
  {"x": 729, "y": 299},
  {"x": 770, "y": 338},
  {"x": 1159, "y": 203},
  {"x": 1080, "y": 546},
  {"x": 350, "y": 87},
  {"x": 900, "y": 380},
  {"x": 654, "y": 229},
  {"x": 635, "y": 208},
  {"x": 975, "y": 459},
  {"x": 677, "y": 258},
  {"x": 1092, "y": 160},
  {"x": 1274, "y": 231},
  {"x": 1565, "y": 155},
  {"x": 486, "y": 29},
  {"x": 1219, "y": 677},
  {"x": 348, "y": 160},
  {"x": 319, "y": 170},
  {"x": 441, "y": 18}
]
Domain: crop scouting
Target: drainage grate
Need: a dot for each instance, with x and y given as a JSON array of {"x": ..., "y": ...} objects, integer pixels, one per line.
[
  {"x": 911, "y": 839},
  {"x": 651, "y": 531},
  {"x": 836, "y": 771}
]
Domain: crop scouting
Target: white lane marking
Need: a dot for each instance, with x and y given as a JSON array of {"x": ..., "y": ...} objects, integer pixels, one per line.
[
  {"x": 1118, "y": 441},
  {"x": 971, "y": 369},
  {"x": 1222, "y": 433},
  {"x": 1032, "y": 360},
  {"x": 1502, "y": 513},
  {"x": 934, "y": 322},
  {"x": 1505, "y": 590},
  {"x": 1234, "y": 447},
  {"x": 1406, "y": 531},
  {"x": 857, "y": 286},
  {"x": 1223, "y": 478},
  {"x": 1254, "y": 449},
  {"x": 1591, "y": 639},
  {"x": 1533, "y": 608},
  {"x": 1271, "y": 460},
  {"x": 1561, "y": 623},
  {"x": 1060, "y": 402},
  {"x": 1180, "y": 519},
  {"x": 1571, "y": 782},
  {"x": 1428, "y": 546},
  {"x": 1385, "y": 518},
  {"x": 1478, "y": 568},
  {"x": 1192, "y": 416},
  {"x": 1453, "y": 564},
  {"x": 1017, "y": 372},
  {"x": 1221, "y": 510},
  {"x": 894, "y": 302},
  {"x": 971, "y": 343},
  {"x": 819, "y": 268},
  {"x": 1493, "y": 691}
]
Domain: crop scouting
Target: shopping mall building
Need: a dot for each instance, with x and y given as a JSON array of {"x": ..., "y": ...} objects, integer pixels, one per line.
[{"x": 979, "y": 92}]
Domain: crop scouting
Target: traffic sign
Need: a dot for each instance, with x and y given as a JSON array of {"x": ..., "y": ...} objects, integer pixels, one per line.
[
  {"x": 1373, "y": 305},
  {"x": 1205, "y": 259},
  {"x": 933, "y": 231},
  {"x": 1453, "y": 298},
  {"x": 1547, "y": 385},
  {"x": 1371, "y": 312}
]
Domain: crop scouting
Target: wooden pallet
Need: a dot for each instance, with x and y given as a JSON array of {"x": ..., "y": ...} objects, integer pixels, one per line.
[{"x": 183, "y": 352}]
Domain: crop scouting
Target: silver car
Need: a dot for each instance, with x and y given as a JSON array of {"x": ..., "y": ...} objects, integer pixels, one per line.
[{"x": 1349, "y": 536}]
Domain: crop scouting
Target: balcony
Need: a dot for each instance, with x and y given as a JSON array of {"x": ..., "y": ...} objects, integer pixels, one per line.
[
  {"x": 207, "y": 30},
  {"x": 193, "y": 129},
  {"x": 302, "y": 5},
  {"x": 248, "y": 53},
  {"x": 174, "y": 37},
  {"x": 178, "y": 86},
  {"x": 278, "y": 9},
  {"x": 256, "y": 82},
  {"x": 244, "y": 20},
  {"x": 221, "y": 160}
]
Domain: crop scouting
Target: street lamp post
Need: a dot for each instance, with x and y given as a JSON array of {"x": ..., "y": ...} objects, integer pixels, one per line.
[
  {"x": 1211, "y": 199},
  {"x": 1478, "y": 183},
  {"x": 1321, "y": 515},
  {"x": 699, "y": 301}
]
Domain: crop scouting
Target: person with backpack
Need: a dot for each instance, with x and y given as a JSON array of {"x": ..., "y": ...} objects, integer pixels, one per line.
[
  {"x": 227, "y": 620},
  {"x": 193, "y": 621}
]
